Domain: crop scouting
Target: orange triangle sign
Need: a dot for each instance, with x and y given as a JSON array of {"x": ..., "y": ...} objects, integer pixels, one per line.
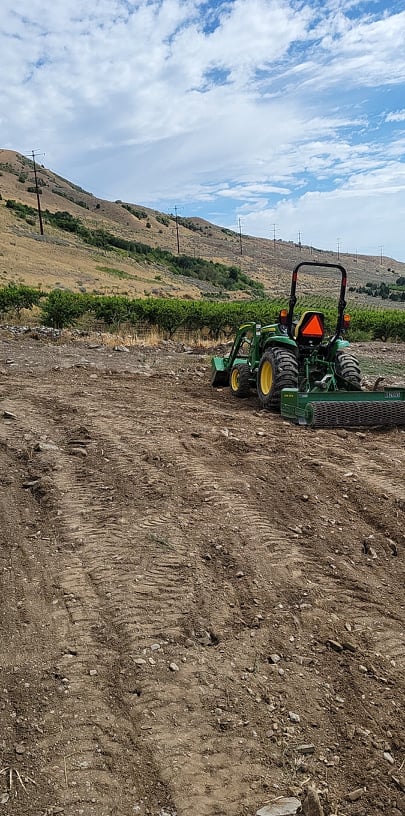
[{"x": 314, "y": 327}]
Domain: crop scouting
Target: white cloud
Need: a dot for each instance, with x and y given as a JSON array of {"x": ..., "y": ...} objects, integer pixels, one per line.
[
  {"x": 397, "y": 116},
  {"x": 241, "y": 104},
  {"x": 366, "y": 53},
  {"x": 363, "y": 214}
]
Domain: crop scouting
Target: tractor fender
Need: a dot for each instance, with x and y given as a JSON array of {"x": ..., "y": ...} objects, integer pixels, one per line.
[
  {"x": 278, "y": 340},
  {"x": 336, "y": 346}
]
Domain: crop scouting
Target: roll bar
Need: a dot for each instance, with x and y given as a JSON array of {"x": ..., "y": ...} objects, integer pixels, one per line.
[{"x": 341, "y": 303}]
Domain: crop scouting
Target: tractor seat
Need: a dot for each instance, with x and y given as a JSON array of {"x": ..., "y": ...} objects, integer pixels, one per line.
[{"x": 310, "y": 328}]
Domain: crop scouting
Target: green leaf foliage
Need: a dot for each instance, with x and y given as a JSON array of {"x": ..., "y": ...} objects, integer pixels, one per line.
[
  {"x": 13, "y": 298},
  {"x": 61, "y": 308}
]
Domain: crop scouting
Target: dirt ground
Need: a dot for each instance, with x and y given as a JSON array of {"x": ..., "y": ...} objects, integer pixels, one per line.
[{"x": 201, "y": 605}]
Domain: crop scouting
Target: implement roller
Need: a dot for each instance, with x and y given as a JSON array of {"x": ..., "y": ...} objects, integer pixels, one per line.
[{"x": 309, "y": 378}]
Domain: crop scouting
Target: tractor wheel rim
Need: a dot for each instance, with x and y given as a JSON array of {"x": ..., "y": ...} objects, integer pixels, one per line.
[
  {"x": 266, "y": 377},
  {"x": 235, "y": 379}
]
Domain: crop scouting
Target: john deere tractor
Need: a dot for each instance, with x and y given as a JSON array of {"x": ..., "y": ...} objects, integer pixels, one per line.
[{"x": 310, "y": 378}]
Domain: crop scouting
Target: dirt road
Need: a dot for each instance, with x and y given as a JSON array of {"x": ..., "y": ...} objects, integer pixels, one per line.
[{"x": 202, "y": 606}]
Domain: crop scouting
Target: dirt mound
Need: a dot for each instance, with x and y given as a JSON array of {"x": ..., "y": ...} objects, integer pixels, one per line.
[{"x": 201, "y": 605}]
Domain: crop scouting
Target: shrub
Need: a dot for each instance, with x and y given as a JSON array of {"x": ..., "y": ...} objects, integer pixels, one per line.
[
  {"x": 63, "y": 308},
  {"x": 13, "y": 298}
]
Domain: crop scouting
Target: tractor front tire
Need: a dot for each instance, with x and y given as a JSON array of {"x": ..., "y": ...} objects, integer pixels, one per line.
[
  {"x": 278, "y": 369},
  {"x": 239, "y": 380},
  {"x": 347, "y": 367}
]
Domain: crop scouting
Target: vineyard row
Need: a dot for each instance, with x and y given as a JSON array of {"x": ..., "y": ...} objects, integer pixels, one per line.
[{"x": 61, "y": 309}]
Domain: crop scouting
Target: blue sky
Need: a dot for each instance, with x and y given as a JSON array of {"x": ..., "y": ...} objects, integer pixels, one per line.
[{"x": 258, "y": 112}]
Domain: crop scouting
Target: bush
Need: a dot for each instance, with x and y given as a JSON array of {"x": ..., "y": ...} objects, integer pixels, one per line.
[
  {"x": 14, "y": 298},
  {"x": 62, "y": 309},
  {"x": 137, "y": 213},
  {"x": 22, "y": 210}
]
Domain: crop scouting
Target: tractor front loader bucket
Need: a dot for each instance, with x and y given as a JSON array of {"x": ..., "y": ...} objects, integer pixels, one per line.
[
  {"x": 219, "y": 372},
  {"x": 345, "y": 409}
]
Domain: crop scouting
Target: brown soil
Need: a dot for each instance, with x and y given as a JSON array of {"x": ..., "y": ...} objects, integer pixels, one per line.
[{"x": 201, "y": 605}]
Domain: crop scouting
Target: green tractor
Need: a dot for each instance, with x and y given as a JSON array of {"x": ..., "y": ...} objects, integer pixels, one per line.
[{"x": 310, "y": 378}]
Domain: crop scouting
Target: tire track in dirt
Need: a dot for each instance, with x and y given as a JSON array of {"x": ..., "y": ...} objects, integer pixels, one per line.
[
  {"x": 380, "y": 471},
  {"x": 155, "y": 569},
  {"x": 97, "y": 726},
  {"x": 279, "y": 557},
  {"x": 99, "y": 535},
  {"x": 226, "y": 774},
  {"x": 368, "y": 481},
  {"x": 266, "y": 535},
  {"x": 275, "y": 545},
  {"x": 136, "y": 519}
]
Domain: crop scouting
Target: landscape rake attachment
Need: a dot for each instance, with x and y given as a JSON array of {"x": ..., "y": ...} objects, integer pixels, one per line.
[{"x": 310, "y": 378}]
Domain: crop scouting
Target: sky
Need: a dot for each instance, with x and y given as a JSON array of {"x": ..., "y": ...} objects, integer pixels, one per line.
[{"x": 282, "y": 118}]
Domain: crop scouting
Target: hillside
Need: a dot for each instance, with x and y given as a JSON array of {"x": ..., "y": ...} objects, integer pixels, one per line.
[{"x": 62, "y": 259}]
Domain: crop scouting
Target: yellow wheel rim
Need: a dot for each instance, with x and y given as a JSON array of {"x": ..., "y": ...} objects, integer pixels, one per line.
[
  {"x": 266, "y": 377},
  {"x": 235, "y": 379}
]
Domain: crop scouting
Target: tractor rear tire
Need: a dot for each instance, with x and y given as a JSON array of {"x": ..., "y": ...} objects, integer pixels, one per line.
[
  {"x": 239, "y": 380},
  {"x": 278, "y": 369},
  {"x": 347, "y": 366}
]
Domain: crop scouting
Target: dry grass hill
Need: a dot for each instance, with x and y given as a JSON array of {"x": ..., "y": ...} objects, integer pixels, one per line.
[{"x": 62, "y": 259}]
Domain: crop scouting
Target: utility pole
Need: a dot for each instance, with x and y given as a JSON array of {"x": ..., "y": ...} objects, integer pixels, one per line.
[
  {"x": 299, "y": 241},
  {"x": 381, "y": 253},
  {"x": 240, "y": 237},
  {"x": 41, "y": 228},
  {"x": 274, "y": 238},
  {"x": 338, "y": 248},
  {"x": 177, "y": 230}
]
